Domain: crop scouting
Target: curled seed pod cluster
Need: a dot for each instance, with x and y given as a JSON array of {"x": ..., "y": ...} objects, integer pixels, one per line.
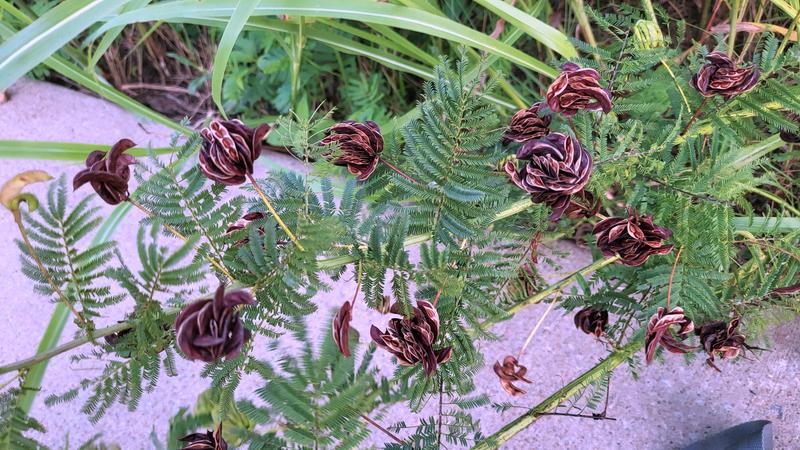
[
  {"x": 205, "y": 441},
  {"x": 721, "y": 339},
  {"x": 229, "y": 149},
  {"x": 211, "y": 329},
  {"x": 720, "y": 76},
  {"x": 359, "y": 146},
  {"x": 509, "y": 372},
  {"x": 411, "y": 339},
  {"x": 575, "y": 89},
  {"x": 528, "y": 124},
  {"x": 108, "y": 172},
  {"x": 659, "y": 332},
  {"x": 633, "y": 239},
  {"x": 553, "y": 168},
  {"x": 591, "y": 321}
]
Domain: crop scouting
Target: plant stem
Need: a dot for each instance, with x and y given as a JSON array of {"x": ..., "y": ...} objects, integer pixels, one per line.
[
  {"x": 384, "y": 430},
  {"x": 586, "y": 28},
  {"x": 297, "y": 58},
  {"x": 672, "y": 276},
  {"x": 274, "y": 213},
  {"x": 559, "y": 285},
  {"x": 399, "y": 172},
  {"x": 43, "y": 269},
  {"x": 734, "y": 6},
  {"x": 788, "y": 35},
  {"x": 44, "y": 356},
  {"x": 180, "y": 236},
  {"x": 557, "y": 398},
  {"x": 535, "y": 329},
  {"x": 694, "y": 116}
]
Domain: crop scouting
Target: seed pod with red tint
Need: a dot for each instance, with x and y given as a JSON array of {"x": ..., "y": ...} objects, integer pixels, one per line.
[
  {"x": 229, "y": 150},
  {"x": 659, "y": 332},
  {"x": 720, "y": 76},
  {"x": 341, "y": 328},
  {"x": 576, "y": 89},
  {"x": 509, "y": 372},
  {"x": 211, "y": 329},
  {"x": 108, "y": 172},
  {"x": 591, "y": 321},
  {"x": 205, "y": 441},
  {"x": 721, "y": 339},
  {"x": 528, "y": 124},
  {"x": 553, "y": 168},
  {"x": 633, "y": 239},
  {"x": 786, "y": 136},
  {"x": 411, "y": 339},
  {"x": 359, "y": 146}
]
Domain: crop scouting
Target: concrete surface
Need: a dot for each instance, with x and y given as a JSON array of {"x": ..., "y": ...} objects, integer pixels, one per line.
[{"x": 671, "y": 406}]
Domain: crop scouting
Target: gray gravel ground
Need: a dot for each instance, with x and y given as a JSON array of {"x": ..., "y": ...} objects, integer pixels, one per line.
[{"x": 672, "y": 405}]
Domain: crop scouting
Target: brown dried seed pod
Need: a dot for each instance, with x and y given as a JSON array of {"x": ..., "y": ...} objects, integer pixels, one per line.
[
  {"x": 554, "y": 168},
  {"x": 658, "y": 332},
  {"x": 591, "y": 321},
  {"x": 633, "y": 239},
  {"x": 211, "y": 329},
  {"x": 528, "y": 124},
  {"x": 720, "y": 76},
  {"x": 229, "y": 149},
  {"x": 576, "y": 89},
  {"x": 509, "y": 372},
  {"x": 108, "y": 172},
  {"x": 359, "y": 146},
  {"x": 411, "y": 339},
  {"x": 341, "y": 328}
]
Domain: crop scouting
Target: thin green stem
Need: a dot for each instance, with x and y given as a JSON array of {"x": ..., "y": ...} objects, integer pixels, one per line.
[
  {"x": 561, "y": 284},
  {"x": 46, "y": 355},
  {"x": 560, "y": 396},
  {"x": 734, "y": 4},
  {"x": 45, "y": 273},
  {"x": 297, "y": 58},
  {"x": 180, "y": 236},
  {"x": 694, "y": 116},
  {"x": 274, "y": 213},
  {"x": 788, "y": 35}
]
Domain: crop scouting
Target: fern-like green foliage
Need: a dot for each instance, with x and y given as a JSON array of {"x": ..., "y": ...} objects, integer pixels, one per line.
[
  {"x": 450, "y": 152},
  {"x": 319, "y": 396},
  {"x": 57, "y": 234},
  {"x": 15, "y": 425},
  {"x": 136, "y": 357},
  {"x": 187, "y": 202}
]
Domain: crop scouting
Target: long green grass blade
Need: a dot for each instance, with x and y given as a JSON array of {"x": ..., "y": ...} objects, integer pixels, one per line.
[
  {"x": 237, "y": 21},
  {"x": 360, "y": 10},
  {"x": 74, "y": 73},
  {"x": 112, "y": 34},
  {"x": 542, "y": 32},
  {"x": 767, "y": 225},
  {"x": 46, "y": 35},
  {"x": 61, "y": 151},
  {"x": 344, "y": 45}
]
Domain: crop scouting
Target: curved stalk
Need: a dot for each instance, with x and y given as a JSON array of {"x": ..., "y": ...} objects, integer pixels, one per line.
[
  {"x": 218, "y": 265},
  {"x": 561, "y": 284},
  {"x": 43, "y": 269},
  {"x": 274, "y": 213}
]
